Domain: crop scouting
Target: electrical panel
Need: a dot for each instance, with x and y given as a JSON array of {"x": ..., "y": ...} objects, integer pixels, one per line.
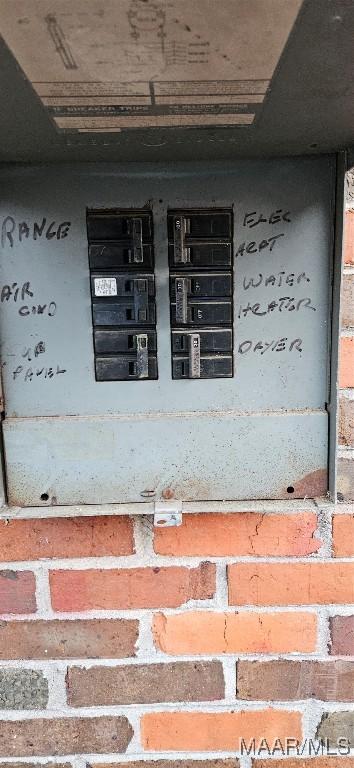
[{"x": 164, "y": 331}]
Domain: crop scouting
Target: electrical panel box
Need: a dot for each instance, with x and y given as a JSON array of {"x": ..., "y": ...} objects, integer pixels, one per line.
[{"x": 165, "y": 331}]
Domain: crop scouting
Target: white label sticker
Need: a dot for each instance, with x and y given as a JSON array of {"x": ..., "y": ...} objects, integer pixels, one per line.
[{"x": 105, "y": 286}]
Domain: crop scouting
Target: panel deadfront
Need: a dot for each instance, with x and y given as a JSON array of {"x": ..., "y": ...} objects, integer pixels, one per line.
[{"x": 164, "y": 331}]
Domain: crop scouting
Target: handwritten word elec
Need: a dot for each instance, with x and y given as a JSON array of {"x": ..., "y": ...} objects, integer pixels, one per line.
[
  {"x": 285, "y": 303},
  {"x": 277, "y": 280},
  {"x": 12, "y": 231},
  {"x": 30, "y": 373},
  {"x": 14, "y": 291},
  {"x": 38, "y": 309},
  {"x": 280, "y": 345},
  {"x": 254, "y": 218},
  {"x": 254, "y": 247}
]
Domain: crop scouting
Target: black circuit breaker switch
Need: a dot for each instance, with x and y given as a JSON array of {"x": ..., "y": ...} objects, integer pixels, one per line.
[
  {"x": 122, "y": 284},
  {"x": 121, "y": 226},
  {"x": 211, "y": 367},
  {"x": 205, "y": 224},
  {"x": 207, "y": 284},
  {"x": 123, "y": 313},
  {"x": 124, "y": 368},
  {"x": 137, "y": 292},
  {"x": 109, "y": 255},
  {"x": 211, "y": 340},
  {"x": 123, "y": 294},
  {"x": 202, "y": 256},
  {"x": 201, "y": 293},
  {"x": 201, "y": 312},
  {"x": 116, "y": 341}
]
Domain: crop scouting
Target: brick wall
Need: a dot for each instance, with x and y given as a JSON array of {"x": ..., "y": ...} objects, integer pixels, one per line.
[
  {"x": 121, "y": 644},
  {"x": 346, "y": 377}
]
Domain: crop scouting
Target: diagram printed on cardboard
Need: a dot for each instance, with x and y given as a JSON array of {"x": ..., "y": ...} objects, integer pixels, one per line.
[{"x": 111, "y": 65}]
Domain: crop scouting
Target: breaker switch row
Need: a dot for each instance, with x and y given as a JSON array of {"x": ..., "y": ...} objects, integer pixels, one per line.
[
  {"x": 123, "y": 294},
  {"x": 201, "y": 293}
]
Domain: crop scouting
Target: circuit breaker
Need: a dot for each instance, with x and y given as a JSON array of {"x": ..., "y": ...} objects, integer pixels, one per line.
[{"x": 164, "y": 331}]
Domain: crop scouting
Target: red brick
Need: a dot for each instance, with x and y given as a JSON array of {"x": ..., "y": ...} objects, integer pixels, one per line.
[
  {"x": 347, "y": 301},
  {"x": 86, "y": 638},
  {"x": 66, "y": 537},
  {"x": 349, "y": 238},
  {"x": 345, "y": 477},
  {"x": 335, "y": 726},
  {"x": 131, "y": 588},
  {"x": 285, "y": 680},
  {"x": 145, "y": 683},
  {"x": 342, "y": 635},
  {"x": 208, "y": 632},
  {"x": 17, "y": 592},
  {"x": 291, "y": 583},
  {"x": 216, "y": 731},
  {"x": 346, "y": 362},
  {"x": 343, "y": 534},
  {"x": 243, "y": 533},
  {"x": 346, "y": 421},
  {"x": 64, "y": 736}
]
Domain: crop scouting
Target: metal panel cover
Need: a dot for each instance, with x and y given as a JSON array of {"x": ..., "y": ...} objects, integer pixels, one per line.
[
  {"x": 128, "y": 64},
  {"x": 260, "y": 434}
]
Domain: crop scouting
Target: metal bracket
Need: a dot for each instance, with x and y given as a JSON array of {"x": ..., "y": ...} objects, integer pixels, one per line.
[{"x": 167, "y": 514}]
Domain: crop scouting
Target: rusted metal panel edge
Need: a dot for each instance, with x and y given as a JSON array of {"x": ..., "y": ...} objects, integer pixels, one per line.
[
  {"x": 339, "y": 212},
  {"x": 75, "y": 462},
  {"x": 147, "y": 508}
]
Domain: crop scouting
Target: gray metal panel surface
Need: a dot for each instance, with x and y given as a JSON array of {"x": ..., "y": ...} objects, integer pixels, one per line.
[
  {"x": 56, "y": 378},
  {"x": 102, "y": 460}
]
